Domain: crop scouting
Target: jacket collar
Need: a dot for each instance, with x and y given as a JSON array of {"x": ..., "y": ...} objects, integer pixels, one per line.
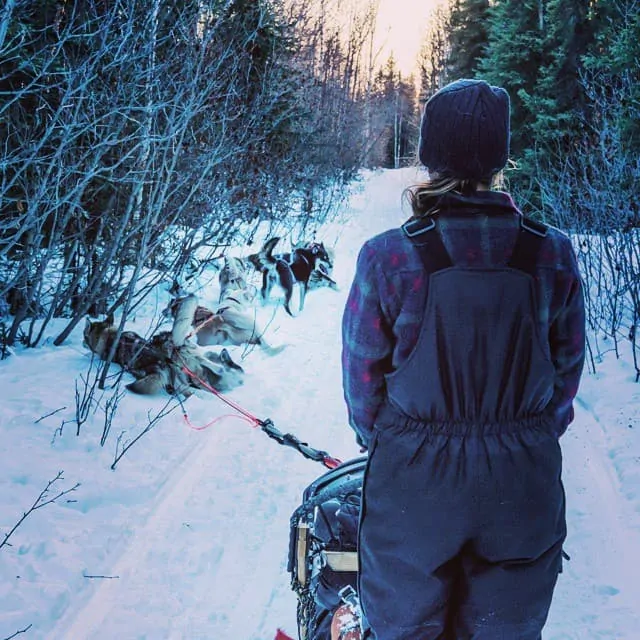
[{"x": 485, "y": 202}]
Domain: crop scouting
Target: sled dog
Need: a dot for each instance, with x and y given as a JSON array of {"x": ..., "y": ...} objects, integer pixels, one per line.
[
  {"x": 234, "y": 322},
  {"x": 165, "y": 362},
  {"x": 233, "y": 278},
  {"x": 309, "y": 262}
]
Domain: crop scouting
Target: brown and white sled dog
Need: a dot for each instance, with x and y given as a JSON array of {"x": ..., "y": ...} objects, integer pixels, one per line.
[{"x": 167, "y": 361}]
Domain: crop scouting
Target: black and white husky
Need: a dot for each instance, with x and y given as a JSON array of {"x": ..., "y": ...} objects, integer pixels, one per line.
[{"x": 305, "y": 264}]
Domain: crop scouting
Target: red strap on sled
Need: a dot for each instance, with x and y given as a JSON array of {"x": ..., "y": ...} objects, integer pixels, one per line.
[
  {"x": 265, "y": 425},
  {"x": 185, "y": 415}
]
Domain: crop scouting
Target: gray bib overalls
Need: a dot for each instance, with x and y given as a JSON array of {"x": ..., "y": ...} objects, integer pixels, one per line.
[{"x": 463, "y": 515}]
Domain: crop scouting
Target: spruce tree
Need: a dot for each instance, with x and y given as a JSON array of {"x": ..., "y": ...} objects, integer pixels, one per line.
[
  {"x": 612, "y": 64},
  {"x": 467, "y": 37},
  {"x": 513, "y": 58},
  {"x": 558, "y": 101}
]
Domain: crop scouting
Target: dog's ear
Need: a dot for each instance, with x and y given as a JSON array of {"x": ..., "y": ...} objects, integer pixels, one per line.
[
  {"x": 324, "y": 252},
  {"x": 226, "y": 360}
]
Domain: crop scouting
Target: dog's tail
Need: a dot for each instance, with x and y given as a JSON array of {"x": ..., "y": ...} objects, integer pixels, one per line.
[
  {"x": 269, "y": 350},
  {"x": 264, "y": 258},
  {"x": 269, "y": 246}
]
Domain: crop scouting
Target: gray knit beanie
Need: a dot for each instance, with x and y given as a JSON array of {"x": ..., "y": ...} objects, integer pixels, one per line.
[{"x": 465, "y": 130}]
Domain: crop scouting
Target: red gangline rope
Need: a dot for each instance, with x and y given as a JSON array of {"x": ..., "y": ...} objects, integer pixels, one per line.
[{"x": 329, "y": 461}]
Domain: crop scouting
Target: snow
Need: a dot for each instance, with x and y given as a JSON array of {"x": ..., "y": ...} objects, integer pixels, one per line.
[{"x": 188, "y": 536}]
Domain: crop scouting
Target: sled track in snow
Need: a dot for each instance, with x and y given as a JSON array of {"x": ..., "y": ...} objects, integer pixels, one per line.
[{"x": 88, "y": 620}]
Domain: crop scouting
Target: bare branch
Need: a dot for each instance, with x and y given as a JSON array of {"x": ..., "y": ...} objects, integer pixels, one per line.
[
  {"x": 122, "y": 447},
  {"x": 17, "y": 633},
  {"x": 41, "y": 501}
]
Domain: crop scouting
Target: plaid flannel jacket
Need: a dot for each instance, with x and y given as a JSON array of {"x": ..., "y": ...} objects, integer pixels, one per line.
[{"x": 386, "y": 302}]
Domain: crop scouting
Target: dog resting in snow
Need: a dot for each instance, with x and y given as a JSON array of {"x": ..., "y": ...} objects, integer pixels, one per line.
[
  {"x": 234, "y": 321},
  {"x": 159, "y": 364},
  {"x": 233, "y": 281}
]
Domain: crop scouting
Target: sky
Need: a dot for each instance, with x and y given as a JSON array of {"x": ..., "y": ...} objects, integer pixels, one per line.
[
  {"x": 188, "y": 537},
  {"x": 402, "y": 25}
]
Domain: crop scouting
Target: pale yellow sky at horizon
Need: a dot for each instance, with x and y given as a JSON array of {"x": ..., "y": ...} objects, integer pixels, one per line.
[{"x": 401, "y": 28}]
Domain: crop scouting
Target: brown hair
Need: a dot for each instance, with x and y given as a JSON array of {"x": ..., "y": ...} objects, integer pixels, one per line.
[{"x": 422, "y": 197}]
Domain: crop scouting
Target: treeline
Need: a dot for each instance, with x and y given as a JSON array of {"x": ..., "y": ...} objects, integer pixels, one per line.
[
  {"x": 140, "y": 138},
  {"x": 572, "y": 68},
  {"x": 138, "y": 135},
  {"x": 395, "y": 116}
]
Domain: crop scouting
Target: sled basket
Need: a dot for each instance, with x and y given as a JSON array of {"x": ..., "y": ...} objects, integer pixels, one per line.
[{"x": 323, "y": 539}]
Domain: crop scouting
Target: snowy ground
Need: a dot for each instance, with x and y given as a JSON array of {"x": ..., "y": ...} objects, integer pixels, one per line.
[{"x": 188, "y": 537}]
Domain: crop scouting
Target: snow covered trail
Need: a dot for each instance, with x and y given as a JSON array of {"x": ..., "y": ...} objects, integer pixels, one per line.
[
  {"x": 193, "y": 526},
  {"x": 598, "y": 593},
  {"x": 209, "y": 558}
]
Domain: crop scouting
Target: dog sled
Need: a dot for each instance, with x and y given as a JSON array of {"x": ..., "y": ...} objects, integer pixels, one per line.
[{"x": 323, "y": 558}]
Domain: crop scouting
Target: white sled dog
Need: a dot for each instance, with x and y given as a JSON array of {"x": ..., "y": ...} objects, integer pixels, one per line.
[
  {"x": 234, "y": 322},
  {"x": 233, "y": 281},
  {"x": 167, "y": 361}
]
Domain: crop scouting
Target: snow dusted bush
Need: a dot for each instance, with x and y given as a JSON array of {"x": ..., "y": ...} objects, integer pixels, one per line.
[
  {"x": 593, "y": 194},
  {"x": 124, "y": 120}
]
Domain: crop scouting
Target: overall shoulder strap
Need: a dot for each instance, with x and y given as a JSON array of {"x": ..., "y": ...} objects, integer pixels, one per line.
[
  {"x": 525, "y": 251},
  {"x": 423, "y": 234}
]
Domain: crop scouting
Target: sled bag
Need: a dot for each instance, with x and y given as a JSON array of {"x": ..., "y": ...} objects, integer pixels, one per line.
[{"x": 323, "y": 546}]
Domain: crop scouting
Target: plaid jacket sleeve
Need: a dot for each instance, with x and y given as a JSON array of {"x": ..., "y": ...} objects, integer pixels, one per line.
[
  {"x": 567, "y": 339},
  {"x": 366, "y": 345}
]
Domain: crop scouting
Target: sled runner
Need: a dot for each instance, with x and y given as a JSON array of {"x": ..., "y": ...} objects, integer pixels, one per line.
[{"x": 323, "y": 559}]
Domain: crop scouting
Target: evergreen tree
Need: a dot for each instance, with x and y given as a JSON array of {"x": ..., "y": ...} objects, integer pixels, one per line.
[
  {"x": 513, "y": 59},
  {"x": 467, "y": 37},
  {"x": 612, "y": 66},
  {"x": 396, "y": 118},
  {"x": 383, "y": 100},
  {"x": 401, "y": 146},
  {"x": 558, "y": 101}
]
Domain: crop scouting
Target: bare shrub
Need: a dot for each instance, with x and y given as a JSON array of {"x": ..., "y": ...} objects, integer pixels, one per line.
[
  {"x": 41, "y": 501},
  {"x": 592, "y": 193},
  {"x": 136, "y": 134}
]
